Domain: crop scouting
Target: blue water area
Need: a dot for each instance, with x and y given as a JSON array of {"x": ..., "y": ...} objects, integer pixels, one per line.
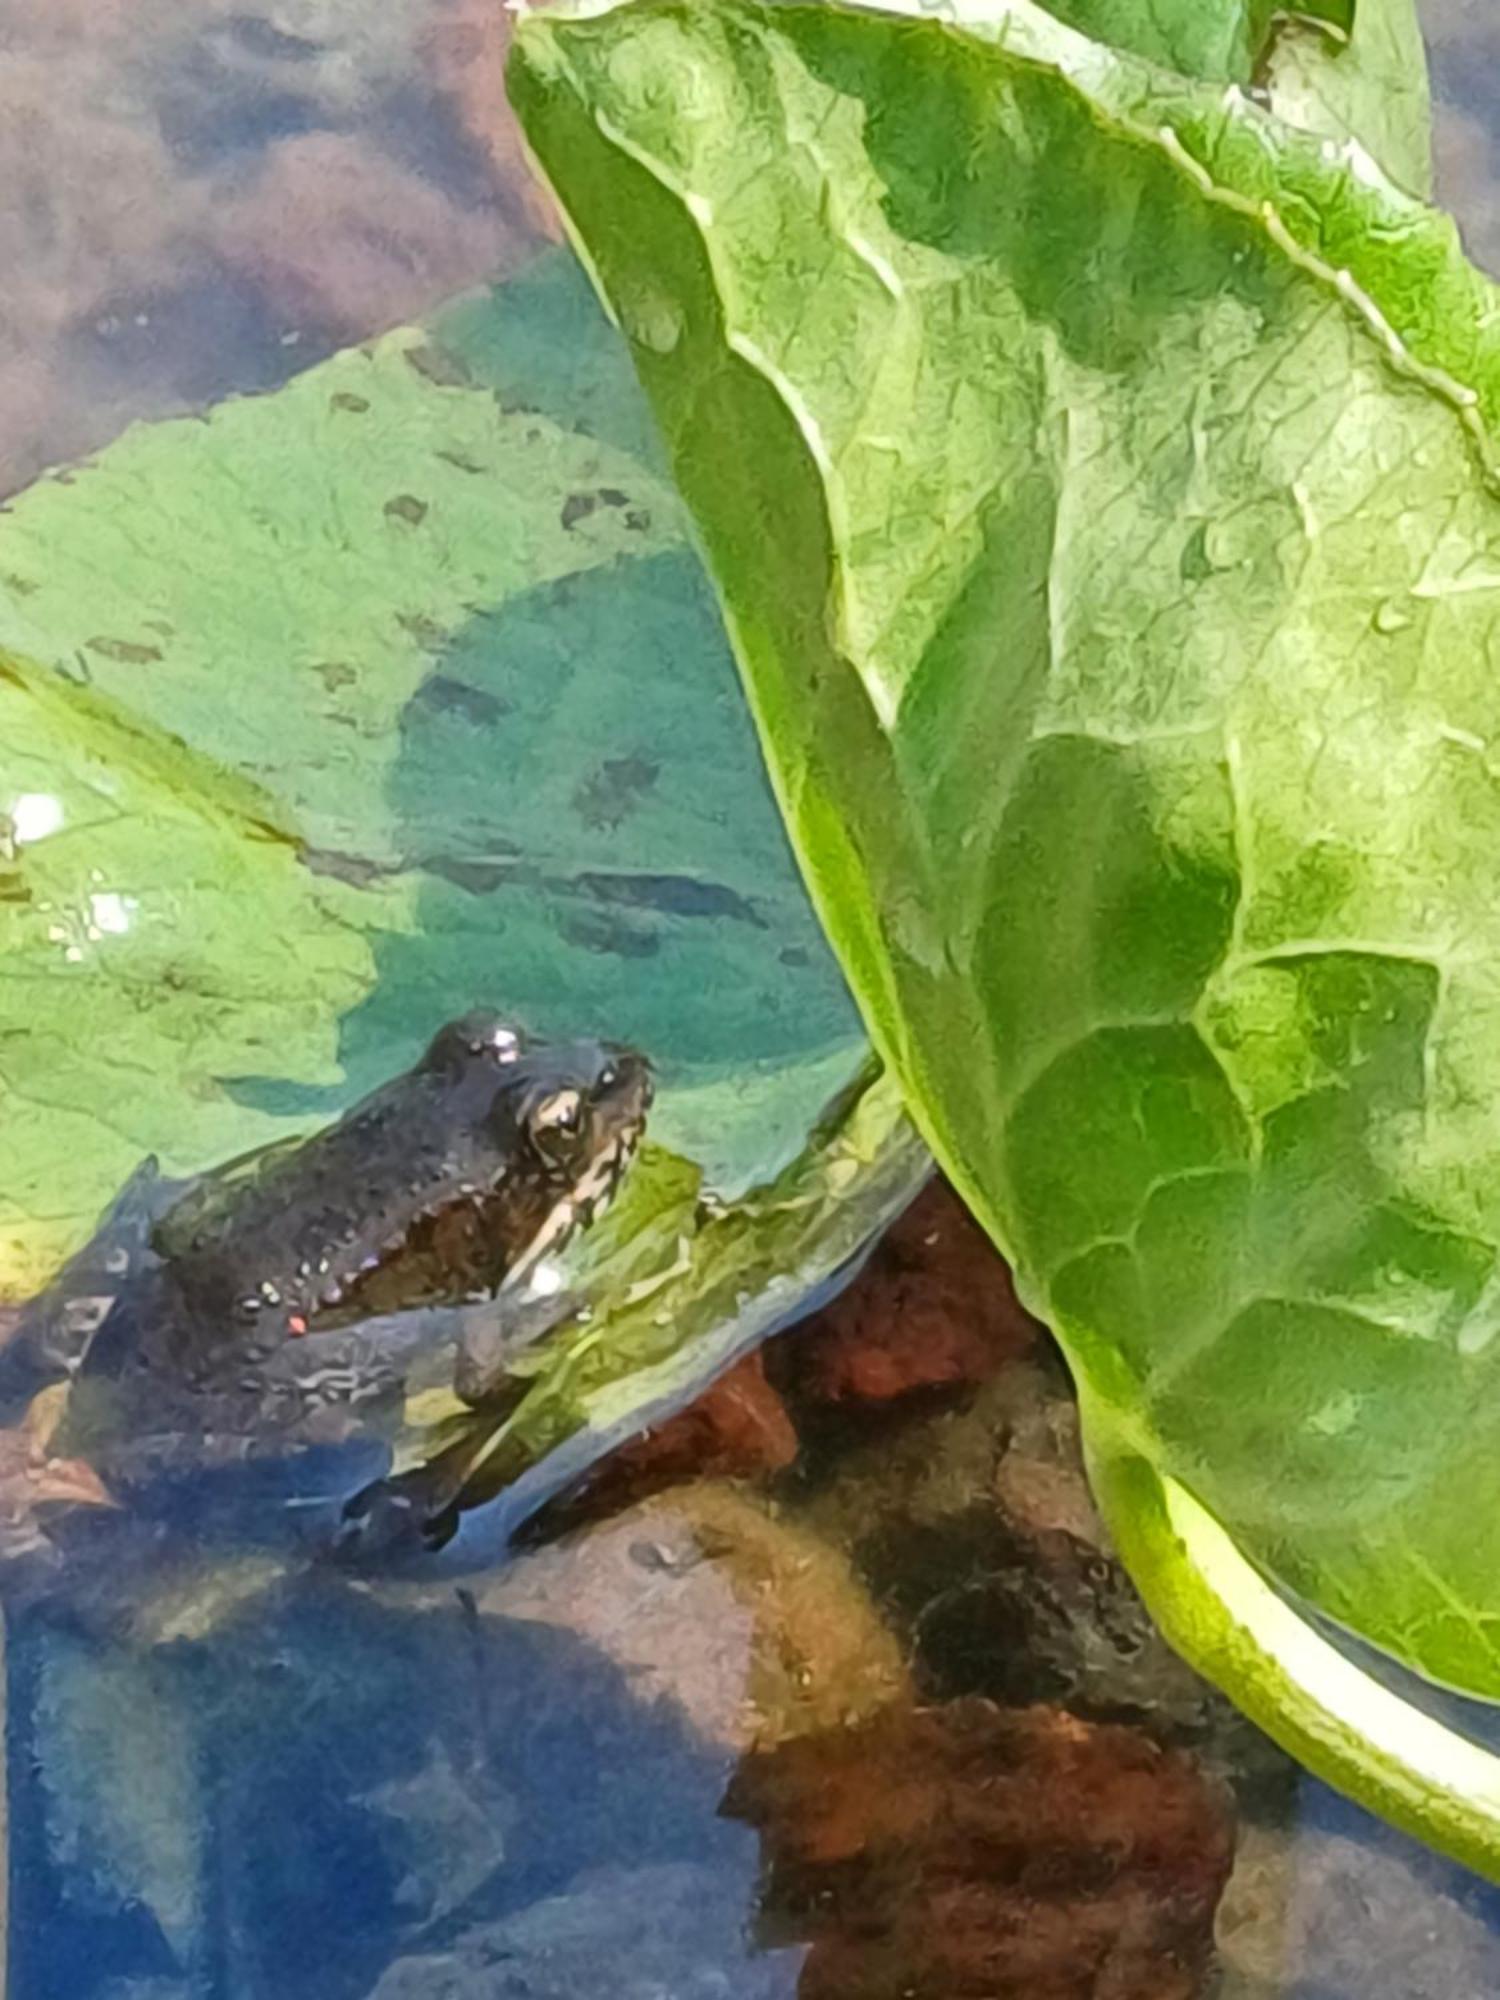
[{"x": 329, "y": 1786}]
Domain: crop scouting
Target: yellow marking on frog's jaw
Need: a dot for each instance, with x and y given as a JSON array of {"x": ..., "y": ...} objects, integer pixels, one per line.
[
  {"x": 559, "y": 1111},
  {"x": 585, "y": 1202}
]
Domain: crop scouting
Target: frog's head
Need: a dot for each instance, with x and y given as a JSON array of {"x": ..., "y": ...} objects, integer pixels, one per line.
[
  {"x": 560, "y": 1117},
  {"x": 436, "y": 1188},
  {"x": 468, "y": 1171}
]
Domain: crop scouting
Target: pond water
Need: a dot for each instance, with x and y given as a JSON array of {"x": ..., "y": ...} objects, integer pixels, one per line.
[{"x": 827, "y": 1688}]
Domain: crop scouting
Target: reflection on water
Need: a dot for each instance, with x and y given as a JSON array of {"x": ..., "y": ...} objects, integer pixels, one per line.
[
  {"x": 204, "y": 196},
  {"x": 827, "y": 1689},
  {"x": 324, "y": 1794}
]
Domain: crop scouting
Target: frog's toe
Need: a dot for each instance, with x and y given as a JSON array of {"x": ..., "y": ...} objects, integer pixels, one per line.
[{"x": 391, "y": 1518}]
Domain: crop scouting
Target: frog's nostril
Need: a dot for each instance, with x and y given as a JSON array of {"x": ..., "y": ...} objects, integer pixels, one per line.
[{"x": 627, "y": 1068}]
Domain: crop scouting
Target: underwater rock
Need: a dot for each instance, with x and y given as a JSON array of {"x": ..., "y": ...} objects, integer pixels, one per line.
[
  {"x": 974, "y": 1530},
  {"x": 340, "y": 240},
  {"x": 666, "y": 1933},
  {"x": 1339, "y": 1907},
  {"x": 119, "y": 1800},
  {"x": 326, "y": 1784},
  {"x": 205, "y": 194},
  {"x": 93, "y": 208},
  {"x": 1467, "y": 164},
  {"x": 35, "y": 424},
  {"x": 225, "y": 77},
  {"x": 934, "y": 1308},
  {"x": 463, "y": 49},
  {"x": 737, "y": 1429},
  {"x": 149, "y": 1988},
  {"x": 941, "y": 1853},
  {"x": 32, "y": 1477},
  {"x": 710, "y": 1599}
]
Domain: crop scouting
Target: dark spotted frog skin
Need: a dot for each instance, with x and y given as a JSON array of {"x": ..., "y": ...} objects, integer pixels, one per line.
[{"x": 280, "y": 1300}]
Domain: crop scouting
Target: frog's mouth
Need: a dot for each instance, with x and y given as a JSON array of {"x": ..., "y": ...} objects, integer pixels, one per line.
[
  {"x": 342, "y": 1297},
  {"x": 588, "y": 1197}
]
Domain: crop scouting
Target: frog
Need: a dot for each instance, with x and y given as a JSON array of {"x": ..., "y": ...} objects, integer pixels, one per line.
[{"x": 276, "y": 1306}]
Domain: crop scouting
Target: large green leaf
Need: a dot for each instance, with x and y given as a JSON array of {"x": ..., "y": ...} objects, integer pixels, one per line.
[
  {"x": 1219, "y": 39},
  {"x": 1095, "y": 473},
  {"x": 1371, "y": 82},
  {"x": 430, "y": 611},
  {"x": 1329, "y": 66}
]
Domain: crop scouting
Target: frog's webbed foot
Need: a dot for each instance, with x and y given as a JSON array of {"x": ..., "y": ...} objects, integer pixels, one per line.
[
  {"x": 408, "y": 1513},
  {"x": 47, "y": 1341}
]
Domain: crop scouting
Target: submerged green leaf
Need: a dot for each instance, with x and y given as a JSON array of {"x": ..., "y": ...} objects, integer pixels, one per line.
[
  {"x": 1097, "y": 480},
  {"x": 678, "y": 1289}
]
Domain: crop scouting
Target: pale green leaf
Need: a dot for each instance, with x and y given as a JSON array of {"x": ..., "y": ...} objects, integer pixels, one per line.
[
  {"x": 160, "y": 938},
  {"x": 1370, "y": 81},
  {"x": 678, "y": 1291},
  {"x": 1330, "y": 66},
  {"x": 1215, "y": 39}
]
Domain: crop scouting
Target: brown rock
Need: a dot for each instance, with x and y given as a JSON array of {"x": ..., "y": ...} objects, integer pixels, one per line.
[
  {"x": 934, "y": 1854},
  {"x": 737, "y": 1429},
  {"x": 974, "y": 1530},
  {"x": 32, "y": 1478},
  {"x": 934, "y": 1308}
]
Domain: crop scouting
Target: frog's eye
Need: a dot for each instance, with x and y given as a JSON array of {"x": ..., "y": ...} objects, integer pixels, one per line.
[{"x": 560, "y": 1111}]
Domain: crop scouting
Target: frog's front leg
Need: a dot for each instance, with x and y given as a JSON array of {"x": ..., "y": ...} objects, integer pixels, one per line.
[
  {"x": 492, "y": 1333},
  {"x": 410, "y": 1511}
]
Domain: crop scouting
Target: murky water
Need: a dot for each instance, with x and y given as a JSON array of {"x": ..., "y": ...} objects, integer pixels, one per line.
[{"x": 830, "y": 1688}]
